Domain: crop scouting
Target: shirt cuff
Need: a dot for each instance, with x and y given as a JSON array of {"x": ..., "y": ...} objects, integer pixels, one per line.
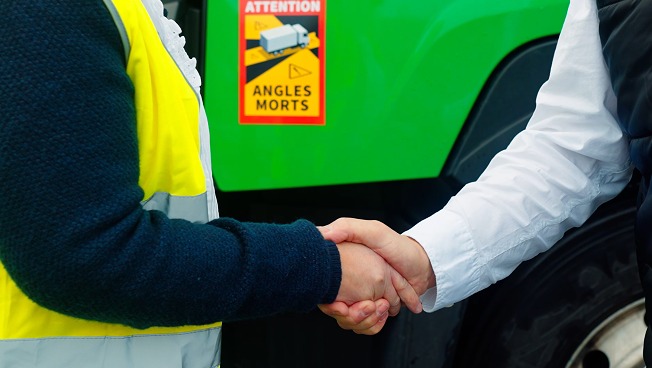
[{"x": 446, "y": 238}]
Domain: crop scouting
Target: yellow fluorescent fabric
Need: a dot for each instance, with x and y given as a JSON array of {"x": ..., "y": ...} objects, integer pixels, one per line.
[
  {"x": 21, "y": 318},
  {"x": 167, "y": 110}
]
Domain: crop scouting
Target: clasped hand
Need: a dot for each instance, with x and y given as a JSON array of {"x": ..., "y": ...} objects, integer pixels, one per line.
[{"x": 381, "y": 270}]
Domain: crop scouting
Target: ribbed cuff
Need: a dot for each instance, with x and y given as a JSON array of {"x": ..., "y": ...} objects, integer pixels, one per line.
[{"x": 336, "y": 273}]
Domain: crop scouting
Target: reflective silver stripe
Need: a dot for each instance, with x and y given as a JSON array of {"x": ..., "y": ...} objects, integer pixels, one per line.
[
  {"x": 121, "y": 27},
  {"x": 178, "y": 207},
  {"x": 205, "y": 156},
  {"x": 183, "y": 350}
]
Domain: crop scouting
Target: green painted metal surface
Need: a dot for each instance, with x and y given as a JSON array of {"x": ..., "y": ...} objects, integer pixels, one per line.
[{"x": 401, "y": 78}]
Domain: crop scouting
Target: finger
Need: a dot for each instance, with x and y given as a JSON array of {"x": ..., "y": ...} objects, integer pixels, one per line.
[
  {"x": 375, "y": 328},
  {"x": 360, "y": 315},
  {"x": 363, "y": 310},
  {"x": 335, "y": 309},
  {"x": 406, "y": 292},
  {"x": 392, "y": 296},
  {"x": 380, "y": 311}
]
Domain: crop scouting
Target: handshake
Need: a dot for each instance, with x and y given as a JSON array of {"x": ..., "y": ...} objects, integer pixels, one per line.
[{"x": 381, "y": 270}]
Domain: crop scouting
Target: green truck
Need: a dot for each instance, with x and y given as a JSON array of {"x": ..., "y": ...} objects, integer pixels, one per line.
[{"x": 387, "y": 112}]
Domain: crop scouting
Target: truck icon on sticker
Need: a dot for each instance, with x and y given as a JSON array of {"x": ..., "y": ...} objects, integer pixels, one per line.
[{"x": 276, "y": 40}]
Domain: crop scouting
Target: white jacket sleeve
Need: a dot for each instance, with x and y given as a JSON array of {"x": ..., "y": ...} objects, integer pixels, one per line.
[{"x": 571, "y": 158}]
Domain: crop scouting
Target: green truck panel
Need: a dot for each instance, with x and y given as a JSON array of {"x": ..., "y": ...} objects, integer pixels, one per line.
[{"x": 400, "y": 80}]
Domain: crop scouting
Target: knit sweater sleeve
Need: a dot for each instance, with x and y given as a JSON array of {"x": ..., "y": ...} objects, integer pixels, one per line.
[{"x": 73, "y": 234}]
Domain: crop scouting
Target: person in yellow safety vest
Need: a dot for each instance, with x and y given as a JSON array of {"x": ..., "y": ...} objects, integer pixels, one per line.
[{"x": 112, "y": 253}]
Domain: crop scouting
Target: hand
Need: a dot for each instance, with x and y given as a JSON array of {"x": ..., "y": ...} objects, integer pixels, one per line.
[
  {"x": 366, "y": 317},
  {"x": 366, "y": 276},
  {"x": 360, "y": 317},
  {"x": 403, "y": 253}
]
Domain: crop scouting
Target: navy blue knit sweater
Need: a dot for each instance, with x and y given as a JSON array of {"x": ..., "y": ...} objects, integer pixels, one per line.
[{"x": 72, "y": 232}]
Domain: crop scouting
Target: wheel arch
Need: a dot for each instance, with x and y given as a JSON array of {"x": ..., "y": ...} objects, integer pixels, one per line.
[{"x": 501, "y": 110}]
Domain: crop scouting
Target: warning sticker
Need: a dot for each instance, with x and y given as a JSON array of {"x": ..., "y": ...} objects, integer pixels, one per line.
[{"x": 282, "y": 57}]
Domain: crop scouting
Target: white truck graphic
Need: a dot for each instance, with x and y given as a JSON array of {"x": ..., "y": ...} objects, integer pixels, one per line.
[{"x": 276, "y": 40}]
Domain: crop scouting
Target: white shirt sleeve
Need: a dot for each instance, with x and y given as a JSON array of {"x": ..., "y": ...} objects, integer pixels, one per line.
[{"x": 571, "y": 158}]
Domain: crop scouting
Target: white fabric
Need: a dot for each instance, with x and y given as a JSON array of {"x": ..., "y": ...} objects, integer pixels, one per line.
[{"x": 571, "y": 158}]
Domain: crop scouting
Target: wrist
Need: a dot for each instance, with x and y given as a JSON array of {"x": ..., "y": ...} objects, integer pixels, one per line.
[{"x": 424, "y": 277}]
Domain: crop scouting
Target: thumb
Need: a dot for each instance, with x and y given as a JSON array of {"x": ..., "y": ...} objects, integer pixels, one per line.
[
  {"x": 334, "y": 235},
  {"x": 372, "y": 233},
  {"x": 335, "y": 309}
]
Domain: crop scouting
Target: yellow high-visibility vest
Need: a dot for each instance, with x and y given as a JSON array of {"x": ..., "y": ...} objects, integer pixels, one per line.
[{"x": 176, "y": 178}]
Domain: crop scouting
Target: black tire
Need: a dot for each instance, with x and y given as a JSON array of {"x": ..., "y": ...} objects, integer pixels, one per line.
[{"x": 542, "y": 314}]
